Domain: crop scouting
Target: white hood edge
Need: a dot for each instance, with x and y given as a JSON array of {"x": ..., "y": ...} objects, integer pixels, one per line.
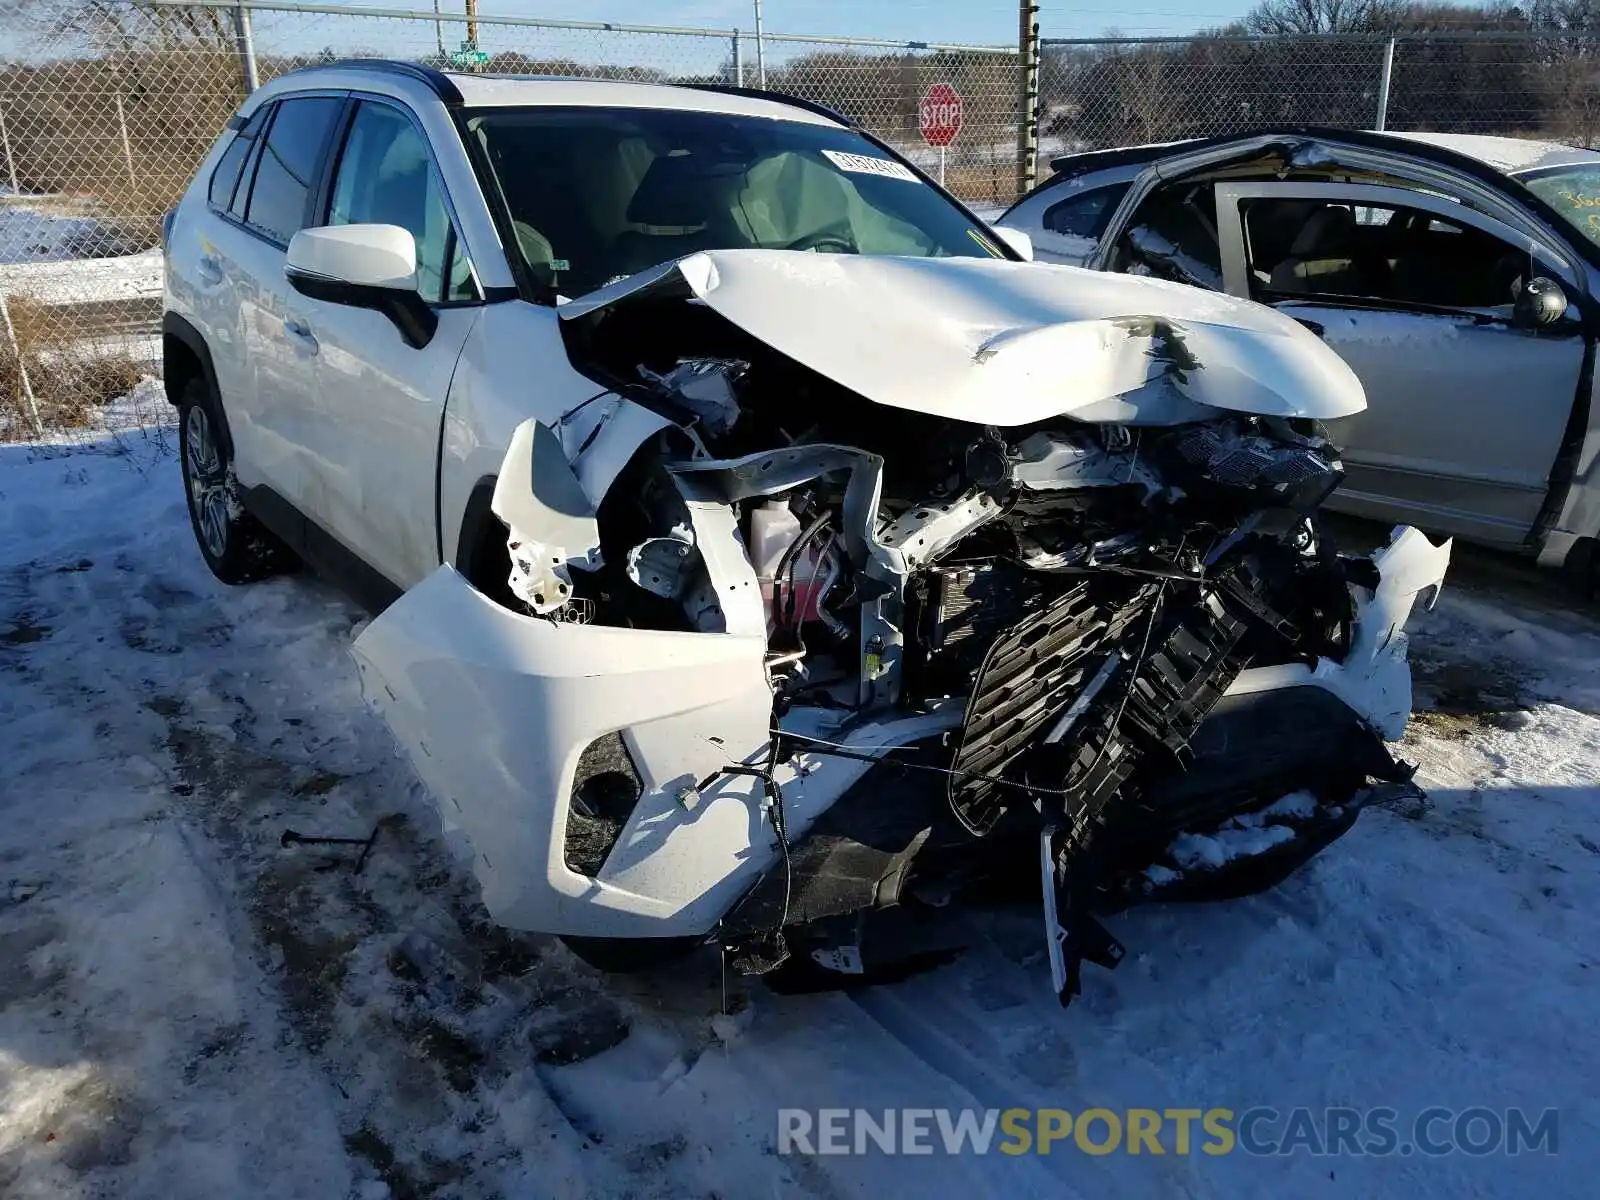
[{"x": 1006, "y": 343}]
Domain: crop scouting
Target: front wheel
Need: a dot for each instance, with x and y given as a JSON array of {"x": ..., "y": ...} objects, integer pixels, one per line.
[{"x": 236, "y": 547}]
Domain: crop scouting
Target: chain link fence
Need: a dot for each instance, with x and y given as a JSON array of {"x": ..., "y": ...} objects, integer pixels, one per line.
[
  {"x": 1096, "y": 93},
  {"x": 108, "y": 106}
]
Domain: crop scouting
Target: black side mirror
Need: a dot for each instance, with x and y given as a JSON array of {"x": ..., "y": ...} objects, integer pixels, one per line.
[{"x": 1540, "y": 303}]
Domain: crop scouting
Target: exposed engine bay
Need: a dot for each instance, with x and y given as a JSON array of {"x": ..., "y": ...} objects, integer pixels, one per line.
[{"x": 912, "y": 652}]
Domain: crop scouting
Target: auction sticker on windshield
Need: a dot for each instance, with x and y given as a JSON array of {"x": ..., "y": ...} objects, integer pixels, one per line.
[{"x": 865, "y": 164}]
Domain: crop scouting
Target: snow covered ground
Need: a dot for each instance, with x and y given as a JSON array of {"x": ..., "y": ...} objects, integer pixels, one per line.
[
  {"x": 38, "y": 229},
  {"x": 189, "y": 1009},
  {"x": 131, "y": 276}
]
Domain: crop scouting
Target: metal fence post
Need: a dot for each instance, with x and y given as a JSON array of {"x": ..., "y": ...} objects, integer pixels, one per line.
[
  {"x": 761, "y": 50},
  {"x": 22, "y": 367},
  {"x": 1383, "y": 85},
  {"x": 245, "y": 41},
  {"x": 5, "y": 143},
  {"x": 127, "y": 147},
  {"x": 738, "y": 60},
  {"x": 1028, "y": 98}
]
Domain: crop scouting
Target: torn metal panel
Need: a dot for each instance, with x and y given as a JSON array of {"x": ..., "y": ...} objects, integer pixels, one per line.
[
  {"x": 600, "y": 435},
  {"x": 1373, "y": 679},
  {"x": 705, "y": 388},
  {"x": 727, "y": 598},
  {"x": 550, "y": 518}
]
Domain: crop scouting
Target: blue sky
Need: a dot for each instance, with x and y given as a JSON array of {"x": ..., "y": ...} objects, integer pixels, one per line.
[{"x": 979, "y": 21}]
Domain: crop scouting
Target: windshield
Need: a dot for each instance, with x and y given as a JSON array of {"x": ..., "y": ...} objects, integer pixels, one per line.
[
  {"x": 595, "y": 195},
  {"x": 1574, "y": 192}
]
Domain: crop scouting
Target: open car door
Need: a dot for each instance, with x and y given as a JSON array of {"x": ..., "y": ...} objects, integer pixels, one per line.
[{"x": 1467, "y": 406}]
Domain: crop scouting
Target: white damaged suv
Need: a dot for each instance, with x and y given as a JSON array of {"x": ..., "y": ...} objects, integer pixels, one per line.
[{"x": 765, "y": 550}]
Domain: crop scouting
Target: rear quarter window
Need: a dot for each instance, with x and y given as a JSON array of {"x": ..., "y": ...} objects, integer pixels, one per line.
[{"x": 225, "y": 178}]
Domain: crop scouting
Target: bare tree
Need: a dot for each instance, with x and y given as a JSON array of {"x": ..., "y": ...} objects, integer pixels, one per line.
[
  {"x": 1287, "y": 18},
  {"x": 120, "y": 24},
  {"x": 1572, "y": 91}
]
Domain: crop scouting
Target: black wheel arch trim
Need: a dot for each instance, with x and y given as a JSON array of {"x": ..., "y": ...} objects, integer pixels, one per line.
[
  {"x": 176, "y": 328},
  {"x": 475, "y": 519}
]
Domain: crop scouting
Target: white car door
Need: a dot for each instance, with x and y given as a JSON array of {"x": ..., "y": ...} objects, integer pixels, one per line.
[
  {"x": 371, "y": 470},
  {"x": 1466, "y": 411},
  {"x": 264, "y": 376}
]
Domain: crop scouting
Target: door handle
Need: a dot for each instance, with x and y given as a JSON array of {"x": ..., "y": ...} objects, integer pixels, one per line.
[
  {"x": 209, "y": 269},
  {"x": 298, "y": 331}
]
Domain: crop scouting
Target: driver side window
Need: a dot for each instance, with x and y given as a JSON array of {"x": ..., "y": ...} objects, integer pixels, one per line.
[
  {"x": 386, "y": 176},
  {"x": 1306, "y": 247}
]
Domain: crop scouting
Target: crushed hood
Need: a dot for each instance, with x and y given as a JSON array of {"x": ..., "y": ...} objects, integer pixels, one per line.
[{"x": 1009, "y": 343}]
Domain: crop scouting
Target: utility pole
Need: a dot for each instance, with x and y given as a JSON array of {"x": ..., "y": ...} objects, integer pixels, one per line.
[
  {"x": 472, "y": 23},
  {"x": 1028, "y": 96},
  {"x": 438, "y": 31},
  {"x": 761, "y": 50},
  {"x": 1385, "y": 76},
  {"x": 244, "y": 40}
]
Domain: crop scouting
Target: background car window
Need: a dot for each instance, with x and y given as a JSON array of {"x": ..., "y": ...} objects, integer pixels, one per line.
[
  {"x": 1173, "y": 235},
  {"x": 231, "y": 165},
  {"x": 386, "y": 177},
  {"x": 288, "y": 162},
  {"x": 1378, "y": 252},
  {"x": 1085, "y": 214},
  {"x": 1573, "y": 191}
]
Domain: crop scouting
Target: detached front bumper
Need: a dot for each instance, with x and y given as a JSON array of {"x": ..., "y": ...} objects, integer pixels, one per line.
[{"x": 497, "y": 711}]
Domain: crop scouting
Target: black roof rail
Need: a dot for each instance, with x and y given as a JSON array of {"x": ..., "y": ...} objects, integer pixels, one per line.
[
  {"x": 730, "y": 89},
  {"x": 434, "y": 79}
]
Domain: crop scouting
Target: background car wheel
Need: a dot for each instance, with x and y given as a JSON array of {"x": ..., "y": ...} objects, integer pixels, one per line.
[
  {"x": 236, "y": 547},
  {"x": 625, "y": 956}
]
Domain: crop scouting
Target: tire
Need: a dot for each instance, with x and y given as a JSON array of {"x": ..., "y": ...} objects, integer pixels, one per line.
[{"x": 237, "y": 547}]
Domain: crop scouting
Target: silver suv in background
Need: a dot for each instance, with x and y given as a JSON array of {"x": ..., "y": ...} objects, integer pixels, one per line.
[{"x": 1456, "y": 274}]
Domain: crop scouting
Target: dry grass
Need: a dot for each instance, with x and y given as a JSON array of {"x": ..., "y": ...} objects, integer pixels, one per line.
[{"x": 70, "y": 380}]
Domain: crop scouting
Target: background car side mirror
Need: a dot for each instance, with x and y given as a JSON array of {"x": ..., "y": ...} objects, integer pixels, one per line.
[
  {"x": 364, "y": 266},
  {"x": 1016, "y": 239},
  {"x": 1541, "y": 302}
]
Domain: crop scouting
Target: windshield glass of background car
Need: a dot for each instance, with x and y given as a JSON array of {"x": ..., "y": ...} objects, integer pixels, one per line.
[
  {"x": 1574, "y": 192},
  {"x": 598, "y": 194}
]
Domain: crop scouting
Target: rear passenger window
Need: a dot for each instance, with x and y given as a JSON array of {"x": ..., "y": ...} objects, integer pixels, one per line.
[
  {"x": 1086, "y": 214},
  {"x": 285, "y": 173},
  {"x": 1173, "y": 235},
  {"x": 231, "y": 165}
]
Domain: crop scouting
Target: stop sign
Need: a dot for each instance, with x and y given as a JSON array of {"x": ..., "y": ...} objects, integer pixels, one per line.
[{"x": 939, "y": 115}]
